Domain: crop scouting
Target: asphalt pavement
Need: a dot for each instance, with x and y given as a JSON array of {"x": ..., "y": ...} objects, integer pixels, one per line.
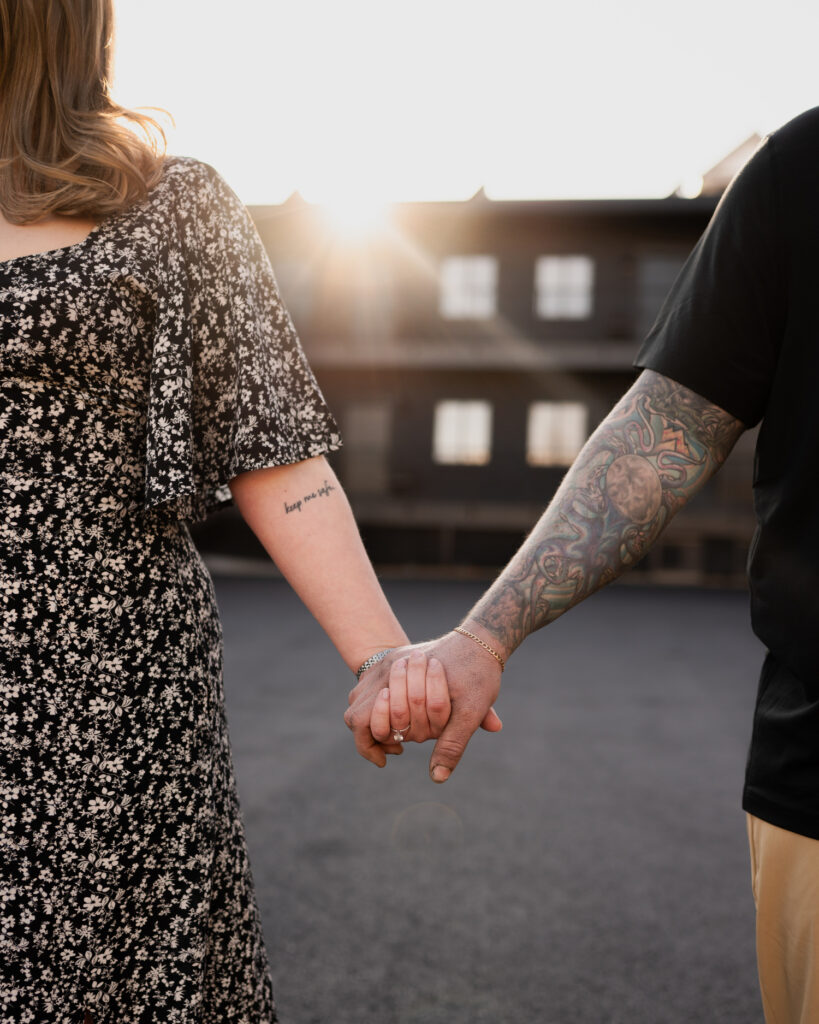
[{"x": 588, "y": 864}]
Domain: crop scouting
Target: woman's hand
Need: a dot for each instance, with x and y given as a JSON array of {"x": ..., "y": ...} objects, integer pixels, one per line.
[
  {"x": 416, "y": 705},
  {"x": 472, "y": 678}
]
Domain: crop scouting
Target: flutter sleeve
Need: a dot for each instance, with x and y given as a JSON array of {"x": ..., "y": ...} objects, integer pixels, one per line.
[{"x": 230, "y": 387}]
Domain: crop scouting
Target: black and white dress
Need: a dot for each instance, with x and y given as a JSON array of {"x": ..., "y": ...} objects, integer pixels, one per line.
[{"x": 140, "y": 370}]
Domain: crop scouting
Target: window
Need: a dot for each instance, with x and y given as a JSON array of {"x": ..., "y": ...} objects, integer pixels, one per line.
[
  {"x": 555, "y": 432},
  {"x": 462, "y": 433},
  {"x": 564, "y": 287},
  {"x": 656, "y": 274},
  {"x": 468, "y": 287},
  {"x": 366, "y": 452}
]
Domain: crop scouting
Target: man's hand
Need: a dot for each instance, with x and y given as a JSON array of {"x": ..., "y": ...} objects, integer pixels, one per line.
[{"x": 443, "y": 689}]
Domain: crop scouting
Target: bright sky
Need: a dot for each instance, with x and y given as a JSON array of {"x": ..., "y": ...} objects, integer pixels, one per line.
[{"x": 435, "y": 98}]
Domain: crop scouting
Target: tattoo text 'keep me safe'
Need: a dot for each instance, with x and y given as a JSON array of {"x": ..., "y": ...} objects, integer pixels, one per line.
[{"x": 321, "y": 492}]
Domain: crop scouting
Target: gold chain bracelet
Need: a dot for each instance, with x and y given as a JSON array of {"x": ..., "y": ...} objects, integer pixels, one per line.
[{"x": 486, "y": 647}]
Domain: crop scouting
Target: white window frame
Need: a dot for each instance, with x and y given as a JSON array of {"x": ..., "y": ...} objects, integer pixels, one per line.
[
  {"x": 564, "y": 287},
  {"x": 468, "y": 287},
  {"x": 555, "y": 432},
  {"x": 462, "y": 433}
]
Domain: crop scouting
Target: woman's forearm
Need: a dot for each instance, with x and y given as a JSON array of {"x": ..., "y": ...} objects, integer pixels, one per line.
[
  {"x": 302, "y": 517},
  {"x": 653, "y": 452}
]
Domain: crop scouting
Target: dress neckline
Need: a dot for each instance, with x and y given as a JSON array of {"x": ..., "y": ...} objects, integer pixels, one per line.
[{"x": 50, "y": 253}]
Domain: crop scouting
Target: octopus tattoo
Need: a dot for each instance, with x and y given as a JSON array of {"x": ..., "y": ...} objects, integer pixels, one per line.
[{"x": 634, "y": 488}]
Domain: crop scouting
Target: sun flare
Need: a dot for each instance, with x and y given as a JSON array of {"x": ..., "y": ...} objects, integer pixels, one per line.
[{"x": 354, "y": 217}]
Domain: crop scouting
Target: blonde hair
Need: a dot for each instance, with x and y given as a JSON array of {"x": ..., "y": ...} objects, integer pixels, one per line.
[{"x": 64, "y": 148}]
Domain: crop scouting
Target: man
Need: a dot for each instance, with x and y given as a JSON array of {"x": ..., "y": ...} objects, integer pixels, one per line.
[{"x": 736, "y": 343}]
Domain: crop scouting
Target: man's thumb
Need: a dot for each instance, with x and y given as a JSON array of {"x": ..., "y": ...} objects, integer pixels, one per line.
[{"x": 449, "y": 749}]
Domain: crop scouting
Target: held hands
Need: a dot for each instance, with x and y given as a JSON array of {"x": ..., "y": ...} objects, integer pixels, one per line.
[{"x": 443, "y": 689}]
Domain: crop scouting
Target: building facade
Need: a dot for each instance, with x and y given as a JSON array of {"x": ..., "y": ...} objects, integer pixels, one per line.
[{"x": 468, "y": 349}]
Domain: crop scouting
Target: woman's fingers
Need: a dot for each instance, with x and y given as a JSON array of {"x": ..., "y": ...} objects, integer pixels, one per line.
[
  {"x": 399, "y": 717},
  {"x": 382, "y": 742},
  {"x": 439, "y": 706},
  {"x": 417, "y": 697},
  {"x": 417, "y": 703},
  {"x": 380, "y": 717}
]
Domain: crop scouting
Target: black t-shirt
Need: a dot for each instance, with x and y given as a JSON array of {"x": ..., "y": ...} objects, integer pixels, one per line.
[{"x": 741, "y": 328}]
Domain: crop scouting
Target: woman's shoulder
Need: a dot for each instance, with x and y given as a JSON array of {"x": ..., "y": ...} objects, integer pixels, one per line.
[
  {"x": 183, "y": 174},
  {"x": 184, "y": 182},
  {"x": 187, "y": 182},
  {"x": 186, "y": 168}
]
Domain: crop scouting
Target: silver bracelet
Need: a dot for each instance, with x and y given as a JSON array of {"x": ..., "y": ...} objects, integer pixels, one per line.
[{"x": 373, "y": 660}]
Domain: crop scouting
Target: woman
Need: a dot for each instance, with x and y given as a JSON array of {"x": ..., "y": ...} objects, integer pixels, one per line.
[{"x": 147, "y": 370}]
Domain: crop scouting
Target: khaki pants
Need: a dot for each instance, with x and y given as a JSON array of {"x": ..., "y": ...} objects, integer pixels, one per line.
[{"x": 785, "y": 879}]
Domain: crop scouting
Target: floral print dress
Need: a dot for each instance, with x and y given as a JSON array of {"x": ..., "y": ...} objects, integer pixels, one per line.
[{"x": 140, "y": 370}]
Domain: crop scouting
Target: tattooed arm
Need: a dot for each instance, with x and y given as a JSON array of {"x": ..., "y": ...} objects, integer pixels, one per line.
[{"x": 653, "y": 452}]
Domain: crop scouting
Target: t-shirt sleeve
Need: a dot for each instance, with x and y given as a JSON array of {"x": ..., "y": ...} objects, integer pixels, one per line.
[
  {"x": 230, "y": 387},
  {"x": 720, "y": 328}
]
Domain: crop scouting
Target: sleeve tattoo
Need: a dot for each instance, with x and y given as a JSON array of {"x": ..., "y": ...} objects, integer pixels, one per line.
[{"x": 653, "y": 452}]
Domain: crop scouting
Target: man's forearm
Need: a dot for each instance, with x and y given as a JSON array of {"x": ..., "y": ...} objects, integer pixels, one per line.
[{"x": 654, "y": 450}]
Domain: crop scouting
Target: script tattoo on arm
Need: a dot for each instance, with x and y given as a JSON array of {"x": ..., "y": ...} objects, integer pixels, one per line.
[
  {"x": 297, "y": 504},
  {"x": 653, "y": 452}
]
